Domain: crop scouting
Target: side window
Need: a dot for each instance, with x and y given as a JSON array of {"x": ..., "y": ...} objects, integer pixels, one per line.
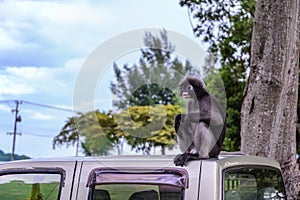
[
  {"x": 30, "y": 185},
  {"x": 253, "y": 183}
]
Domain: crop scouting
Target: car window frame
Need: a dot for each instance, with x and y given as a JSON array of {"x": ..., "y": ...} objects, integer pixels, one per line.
[{"x": 39, "y": 170}]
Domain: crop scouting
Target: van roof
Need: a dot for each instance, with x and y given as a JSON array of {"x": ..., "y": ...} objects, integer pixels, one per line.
[{"x": 224, "y": 161}]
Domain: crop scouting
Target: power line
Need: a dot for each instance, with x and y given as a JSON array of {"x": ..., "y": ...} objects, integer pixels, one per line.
[
  {"x": 50, "y": 107},
  {"x": 38, "y": 135},
  {"x": 8, "y": 103},
  {"x": 30, "y": 134},
  {"x": 42, "y": 105},
  {"x": 18, "y": 119}
]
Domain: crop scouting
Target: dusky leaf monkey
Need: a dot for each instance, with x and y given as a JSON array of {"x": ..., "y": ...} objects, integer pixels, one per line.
[{"x": 201, "y": 131}]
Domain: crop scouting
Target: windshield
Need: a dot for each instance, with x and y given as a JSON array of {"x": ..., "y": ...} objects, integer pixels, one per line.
[{"x": 120, "y": 184}]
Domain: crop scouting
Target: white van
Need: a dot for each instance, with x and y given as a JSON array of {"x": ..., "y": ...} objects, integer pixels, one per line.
[{"x": 230, "y": 177}]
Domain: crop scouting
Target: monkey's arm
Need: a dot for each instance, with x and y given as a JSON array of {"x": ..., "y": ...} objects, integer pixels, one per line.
[
  {"x": 210, "y": 118},
  {"x": 185, "y": 131},
  {"x": 178, "y": 120},
  {"x": 211, "y": 114},
  {"x": 192, "y": 117},
  {"x": 213, "y": 118}
]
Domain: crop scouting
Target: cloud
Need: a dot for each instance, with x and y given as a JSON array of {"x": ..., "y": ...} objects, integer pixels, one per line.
[
  {"x": 41, "y": 116},
  {"x": 28, "y": 80},
  {"x": 38, "y": 43},
  {"x": 45, "y": 33},
  {"x": 8, "y": 85},
  {"x": 5, "y": 108}
]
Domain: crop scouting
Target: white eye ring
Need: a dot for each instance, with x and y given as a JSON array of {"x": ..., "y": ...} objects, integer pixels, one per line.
[{"x": 190, "y": 87}]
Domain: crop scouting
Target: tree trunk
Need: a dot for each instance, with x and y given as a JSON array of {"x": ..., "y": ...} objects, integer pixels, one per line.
[{"x": 269, "y": 110}]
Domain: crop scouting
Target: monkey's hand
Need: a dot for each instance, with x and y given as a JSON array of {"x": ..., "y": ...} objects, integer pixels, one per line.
[{"x": 183, "y": 159}]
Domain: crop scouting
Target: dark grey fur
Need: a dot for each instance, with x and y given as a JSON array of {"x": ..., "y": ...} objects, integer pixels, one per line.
[{"x": 201, "y": 131}]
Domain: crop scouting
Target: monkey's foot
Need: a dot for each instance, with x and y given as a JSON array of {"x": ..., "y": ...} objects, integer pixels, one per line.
[{"x": 183, "y": 159}]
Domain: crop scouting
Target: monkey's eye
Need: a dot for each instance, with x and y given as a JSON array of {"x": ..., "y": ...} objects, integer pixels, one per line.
[{"x": 189, "y": 87}]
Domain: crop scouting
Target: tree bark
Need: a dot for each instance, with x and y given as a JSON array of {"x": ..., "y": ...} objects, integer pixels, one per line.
[{"x": 269, "y": 110}]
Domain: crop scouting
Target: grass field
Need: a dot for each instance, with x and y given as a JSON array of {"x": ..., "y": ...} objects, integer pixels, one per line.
[{"x": 18, "y": 190}]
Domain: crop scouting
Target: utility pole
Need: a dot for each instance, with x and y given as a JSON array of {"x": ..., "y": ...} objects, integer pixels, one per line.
[{"x": 17, "y": 119}]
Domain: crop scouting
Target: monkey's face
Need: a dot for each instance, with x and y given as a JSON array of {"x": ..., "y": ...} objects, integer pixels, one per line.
[
  {"x": 187, "y": 91},
  {"x": 192, "y": 87}
]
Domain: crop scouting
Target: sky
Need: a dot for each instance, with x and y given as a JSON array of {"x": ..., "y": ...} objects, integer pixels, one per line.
[{"x": 44, "y": 48}]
